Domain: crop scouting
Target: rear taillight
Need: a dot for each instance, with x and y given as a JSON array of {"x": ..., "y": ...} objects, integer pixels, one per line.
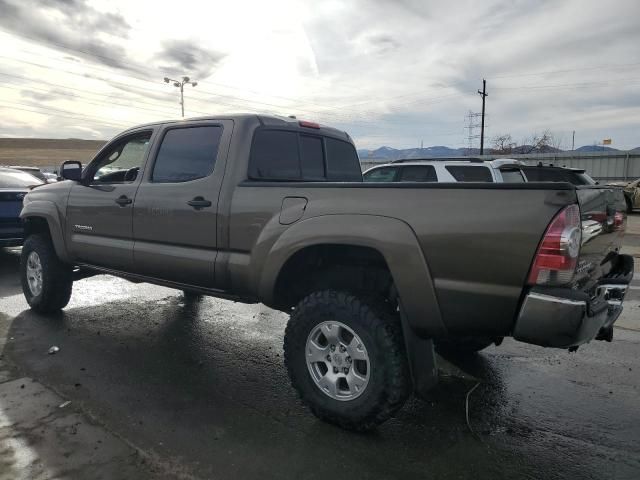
[
  {"x": 619, "y": 221},
  {"x": 557, "y": 255}
]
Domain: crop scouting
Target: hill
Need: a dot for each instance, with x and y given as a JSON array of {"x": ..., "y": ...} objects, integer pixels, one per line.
[
  {"x": 596, "y": 148},
  {"x": 389, "y": 153},
  {"x": 46, "y": 152}
]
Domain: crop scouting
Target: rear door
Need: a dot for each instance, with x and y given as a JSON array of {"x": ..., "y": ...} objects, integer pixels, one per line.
[{"x": 176, "y": 208}]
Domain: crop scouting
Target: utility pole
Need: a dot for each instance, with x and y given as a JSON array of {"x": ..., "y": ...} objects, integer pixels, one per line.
[
  {"x": 573, "y": 141},
  {"x": 180, "y": 84},
  {"x": 484, "y": 94}
]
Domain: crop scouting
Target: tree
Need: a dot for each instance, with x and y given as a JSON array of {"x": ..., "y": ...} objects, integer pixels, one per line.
[
  {"x": 540, "y": 143},
  {"x": 503, "y": 143}
]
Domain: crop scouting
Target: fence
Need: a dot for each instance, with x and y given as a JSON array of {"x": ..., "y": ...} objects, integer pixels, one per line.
[{"x": 600, "y": 165}]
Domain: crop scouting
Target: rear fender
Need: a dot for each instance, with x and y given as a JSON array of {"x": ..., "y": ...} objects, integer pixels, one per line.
[{"x": 393, "y": 238}]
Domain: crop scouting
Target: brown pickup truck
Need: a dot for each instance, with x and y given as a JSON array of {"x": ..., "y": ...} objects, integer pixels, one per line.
[{"x": 274, "y": 210}]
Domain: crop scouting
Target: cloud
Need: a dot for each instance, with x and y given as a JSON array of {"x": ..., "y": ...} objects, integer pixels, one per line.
[
  {"x": 390, "y": 73},
  {"x": 70, "y": 25},
  {"x": 180, "y": 57},
  {"x": 38, "y": 96},
  {"x": 383, "y": 43}
]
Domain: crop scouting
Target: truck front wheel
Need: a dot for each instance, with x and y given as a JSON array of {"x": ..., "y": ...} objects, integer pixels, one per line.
[
  {"x": 46, "y": 281},
  {"x": 346, "y": 358}
]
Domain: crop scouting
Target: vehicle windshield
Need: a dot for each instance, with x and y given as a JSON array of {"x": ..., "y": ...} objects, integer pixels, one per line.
[{"x": 18, "y": 179}]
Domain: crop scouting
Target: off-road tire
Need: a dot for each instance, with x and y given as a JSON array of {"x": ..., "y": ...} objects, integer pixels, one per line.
[
  {"x": 462, "y": 345},
  {"x": 57, "y": 280},
  {"x": 389, "y": 379}
]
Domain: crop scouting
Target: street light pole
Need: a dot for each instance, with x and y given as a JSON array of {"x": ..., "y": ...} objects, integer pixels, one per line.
[{"x": 180, "y": 84}]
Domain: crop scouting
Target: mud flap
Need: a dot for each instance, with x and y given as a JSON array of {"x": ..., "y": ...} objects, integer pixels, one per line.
[{"x": 422, "y": 359}]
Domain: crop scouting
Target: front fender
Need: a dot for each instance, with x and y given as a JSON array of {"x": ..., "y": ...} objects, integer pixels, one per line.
[
  {"x": 393, "y": 238},
  {"x": 47, "y": 210}
]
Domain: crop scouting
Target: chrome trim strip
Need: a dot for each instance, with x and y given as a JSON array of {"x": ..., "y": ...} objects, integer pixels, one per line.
[{"x": 550, "y": 298}]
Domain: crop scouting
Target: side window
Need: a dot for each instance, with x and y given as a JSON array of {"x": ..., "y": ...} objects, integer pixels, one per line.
[
  {"x": 123, "y": 162},
  {"x": 186, "y": 154},
  {"x": 342, "y": 161},
  {"x": 386, "y": 174},
  {"x": 512, "y": 175},
  {"x": 468, "y": 173},
  {"x": 274, "y": 155},
  {"x": 422, "y": 173},
  {"x": 311, "y": 158}
]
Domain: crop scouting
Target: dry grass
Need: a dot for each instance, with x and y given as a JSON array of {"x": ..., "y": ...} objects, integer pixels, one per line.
[{"x": 45, "y": 152}]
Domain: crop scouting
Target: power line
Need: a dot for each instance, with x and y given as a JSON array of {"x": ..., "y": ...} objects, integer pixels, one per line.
[
  {"x": 570, "y": 70},
  {"x": 280, "y": 107},
  {"x": 112, "y": 84},
  {"x": 22, "y": 88},
  {"x": 66, "y": 114}
]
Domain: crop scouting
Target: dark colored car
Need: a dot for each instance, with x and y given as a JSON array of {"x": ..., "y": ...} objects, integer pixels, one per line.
[{"x": 14, "y": 185}]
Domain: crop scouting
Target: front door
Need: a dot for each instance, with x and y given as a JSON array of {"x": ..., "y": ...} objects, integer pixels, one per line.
[
  {"x": 100, "y": 208},
  {"x": 176, "y": 208}
]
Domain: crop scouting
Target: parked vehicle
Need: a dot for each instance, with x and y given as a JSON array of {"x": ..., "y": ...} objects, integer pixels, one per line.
[
  {"x": 35, "y": 171},
  {"x": 14, "y": 185},
  {"x": 462, "y": 169},
  {"x": 473, "y": 170},
  {"x": 274, "y": 210},
  {"x": 631, "y": 193},
  {"x": 50, "y": 177}
]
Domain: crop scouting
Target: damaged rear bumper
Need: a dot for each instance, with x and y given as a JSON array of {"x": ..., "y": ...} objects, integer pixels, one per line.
[{"x": 564, "y": 318}]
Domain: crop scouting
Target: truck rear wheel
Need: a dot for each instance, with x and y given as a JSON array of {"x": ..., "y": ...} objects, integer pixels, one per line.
[
  {"x": 46, "y": 281},
  {"x": 346, "y": 359}
]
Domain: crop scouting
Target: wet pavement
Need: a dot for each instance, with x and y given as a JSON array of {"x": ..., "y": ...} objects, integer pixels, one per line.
[{"x": 198, "y": 389}]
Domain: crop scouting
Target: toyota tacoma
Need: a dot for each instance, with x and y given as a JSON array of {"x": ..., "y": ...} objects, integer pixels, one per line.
[{"x": 274, "y": 210}]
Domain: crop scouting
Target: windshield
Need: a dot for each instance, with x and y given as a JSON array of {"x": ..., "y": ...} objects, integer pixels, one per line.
[{"x": 17, "y": 179}]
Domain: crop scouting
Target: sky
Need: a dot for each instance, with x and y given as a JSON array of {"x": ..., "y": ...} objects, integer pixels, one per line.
[{"x": 394, "y": 73}]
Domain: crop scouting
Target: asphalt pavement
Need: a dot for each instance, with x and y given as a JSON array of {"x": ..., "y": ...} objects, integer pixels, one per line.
[{"x": 174, "y": 388}]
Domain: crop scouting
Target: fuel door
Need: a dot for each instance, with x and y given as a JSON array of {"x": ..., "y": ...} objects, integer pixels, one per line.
[{"x": 292, "y": 209}]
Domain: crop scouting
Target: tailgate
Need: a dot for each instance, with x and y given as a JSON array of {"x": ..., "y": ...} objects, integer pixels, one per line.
[{"x": 603, "y": 220}]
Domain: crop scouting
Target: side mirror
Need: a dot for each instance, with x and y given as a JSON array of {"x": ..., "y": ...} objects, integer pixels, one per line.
[{"x": 71, "y": 170}]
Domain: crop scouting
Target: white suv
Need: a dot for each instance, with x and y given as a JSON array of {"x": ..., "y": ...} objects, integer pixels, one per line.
[{"x": 448, "y": 170}]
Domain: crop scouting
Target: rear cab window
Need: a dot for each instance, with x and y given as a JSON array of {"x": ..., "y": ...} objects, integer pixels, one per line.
[
  {"x": 292, "y": 155},
  {"x": 470, "y": 173}
]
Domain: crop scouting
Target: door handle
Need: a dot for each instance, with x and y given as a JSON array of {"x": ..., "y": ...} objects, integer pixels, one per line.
[
  {"x": 199, "y": 203},
  {"x": 123, "y": 200}
]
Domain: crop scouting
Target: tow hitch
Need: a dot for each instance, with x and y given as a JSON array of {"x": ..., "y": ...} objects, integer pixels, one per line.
[{"x": 613, "y": 294}]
